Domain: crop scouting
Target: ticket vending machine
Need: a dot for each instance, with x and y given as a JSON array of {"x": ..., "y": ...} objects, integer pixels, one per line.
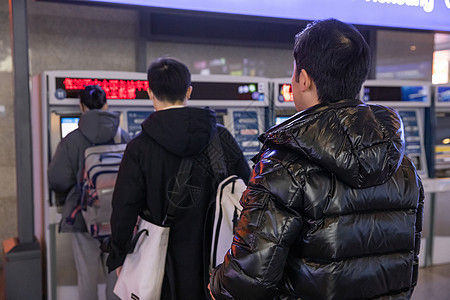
[
  {"x": 283, "y": 101},
  {"x": 440, "y": 186},
  {"x": 240, "y": 103},
  {"x": 410, "y": 99},
  {"x": 442, "y": 140},
  {"x": 55, "y": 112}
]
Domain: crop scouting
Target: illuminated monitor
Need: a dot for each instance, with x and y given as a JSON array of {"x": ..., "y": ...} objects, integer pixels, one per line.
[
  {"x": 68, "y": 124},
  {"x": 115, "y": 89},
  {"x": 220, "y": 115},
  {"x": 443, "y": 94},
  {"x": 395, "y": 93},
  {"x": 279, "y": 120},
  {"x": 240, "y": 91},
  {"x": 428, "y": 15},
  {"x": 442, "y": 148},
  {"x": 285, "y": 93}
]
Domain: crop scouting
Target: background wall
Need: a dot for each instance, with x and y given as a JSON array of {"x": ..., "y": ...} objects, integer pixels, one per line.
[
  {"x": 219, "y": 59},
  {"x": 404, "y": 55}
]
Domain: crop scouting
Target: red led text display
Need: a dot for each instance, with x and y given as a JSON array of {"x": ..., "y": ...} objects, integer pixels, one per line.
[
  {"x": 286, "y": 93},
  {"x": 115, "y": 89}
]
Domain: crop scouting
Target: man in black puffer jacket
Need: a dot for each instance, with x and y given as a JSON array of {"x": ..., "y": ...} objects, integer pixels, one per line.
[
  {"x": 149, "y": 166},
  {"x": 334, "y": 208}
]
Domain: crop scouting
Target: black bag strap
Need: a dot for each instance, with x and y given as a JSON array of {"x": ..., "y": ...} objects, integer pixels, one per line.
[
  {"x": 217, "y": 158},
  {"x": 184, "y": 172},
  {"x": 219, "y": 168}
]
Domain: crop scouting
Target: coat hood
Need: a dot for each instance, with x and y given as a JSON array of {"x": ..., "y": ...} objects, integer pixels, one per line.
[
  {"x": 99, "y": 126},
  {"x": 361, "y": 144},
  {"x": 182, "y": 131}
]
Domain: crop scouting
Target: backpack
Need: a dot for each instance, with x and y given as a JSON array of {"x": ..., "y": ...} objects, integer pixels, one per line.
[
  {"x": 227, "y": 213},
  {"x": 101, "y": 165},
  {"x": 227, "y": 205}
]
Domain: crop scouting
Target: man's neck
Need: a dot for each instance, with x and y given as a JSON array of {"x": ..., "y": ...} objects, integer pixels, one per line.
[
  {"x": 163, "y": 105},
  {"x": 172, "y": 106}
]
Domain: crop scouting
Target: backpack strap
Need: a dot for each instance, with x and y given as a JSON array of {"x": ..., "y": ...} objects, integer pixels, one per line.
[
  {"x": 182, "y": 177},
  {"x": 217, "y": 158},
  {"x": 118, "y": 136}
]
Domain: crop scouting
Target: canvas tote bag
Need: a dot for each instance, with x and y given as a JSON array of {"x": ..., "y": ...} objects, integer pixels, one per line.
[
  {"x": 142, "y": 273},
  {"x": 143, "y": 270}
]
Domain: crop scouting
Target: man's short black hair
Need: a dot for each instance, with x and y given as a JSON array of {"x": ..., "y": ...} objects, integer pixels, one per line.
[
  {"x": 168, "y": 79},
  {"x": 336, "y": 56},
  {"x": 93, "y": 97}
]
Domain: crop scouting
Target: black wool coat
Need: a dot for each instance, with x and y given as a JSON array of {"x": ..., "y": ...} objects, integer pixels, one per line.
[{"x": 145, "y": 179}]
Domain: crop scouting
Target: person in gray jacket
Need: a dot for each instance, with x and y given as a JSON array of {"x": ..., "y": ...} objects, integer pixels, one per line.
[{"x": 97, "y": 126}]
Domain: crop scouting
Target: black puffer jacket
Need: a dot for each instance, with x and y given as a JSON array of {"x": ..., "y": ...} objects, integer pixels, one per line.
[
  {"x": 148, "y": 169},
  {"x": 333, "y": 211}
]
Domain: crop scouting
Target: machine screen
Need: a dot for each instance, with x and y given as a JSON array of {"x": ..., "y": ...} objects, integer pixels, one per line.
[
  {"x": 395, "y": 93},
  {"x": 442, "y": 144},
  {"x": 134, "y": 121},
  {"x": 443, "y": 94},
  {"x": 246, "y": 131},
  {"x": 285, "y": 93},
  {"x": 226, "y": 91},
  {"x": 279, "y": 120},
  {"x": 413, "y": 141},
  {"x": 115, "y": 89},
  {"x": 68, "y": 124},
  {"x": 220, "y": 115}
]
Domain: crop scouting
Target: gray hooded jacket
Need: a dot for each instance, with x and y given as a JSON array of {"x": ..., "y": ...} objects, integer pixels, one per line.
[{"x": 96, "y": 127}]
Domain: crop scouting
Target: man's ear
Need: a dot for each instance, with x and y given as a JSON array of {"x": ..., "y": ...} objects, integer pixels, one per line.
[
  {"x": 150, "y": 94},
  {"x": 189, "y": 91},
  {"x": 305, "y": 80}
]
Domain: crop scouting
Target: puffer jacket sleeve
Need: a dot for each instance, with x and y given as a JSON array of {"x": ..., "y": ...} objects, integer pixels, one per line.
[
  {"x": 266, "y": 229},
  {"x": 418, "y": 225},
  {"x": 62, "y": 169},
  {"x": 128, "y": 200}
]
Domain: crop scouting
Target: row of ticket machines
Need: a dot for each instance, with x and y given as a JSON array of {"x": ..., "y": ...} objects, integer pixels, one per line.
[{"x": 247, "y": 106}]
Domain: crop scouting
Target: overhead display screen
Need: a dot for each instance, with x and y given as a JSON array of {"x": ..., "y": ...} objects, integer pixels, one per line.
[
  {"x": 249, "y": 91},
  {"x": 115, "y": 89},
  {"x": 395, "y": 93},
  {"x": 415, "y": 14}
]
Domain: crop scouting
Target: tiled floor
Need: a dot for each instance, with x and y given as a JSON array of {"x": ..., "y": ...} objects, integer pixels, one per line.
[{"x": 434, "y": 284}]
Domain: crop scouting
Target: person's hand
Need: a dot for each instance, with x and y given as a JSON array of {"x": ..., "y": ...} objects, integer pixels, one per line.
[
  {"x": 212, "y": 297},
  {"x": 118, "y": 271}
]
